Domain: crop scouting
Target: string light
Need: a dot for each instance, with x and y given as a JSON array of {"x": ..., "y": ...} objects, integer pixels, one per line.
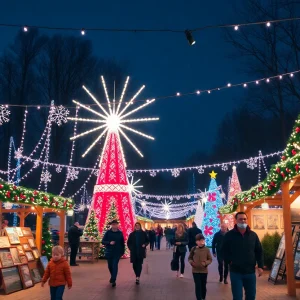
[
  {"x": 178, "y": 94},
  {"x": 154, "y": 172},
  {"x": 25, "y": 28},
  {"x": 68, "y": 177},
  {"x": 236, "y": 27},
  {"x": 82, "y": 31}
]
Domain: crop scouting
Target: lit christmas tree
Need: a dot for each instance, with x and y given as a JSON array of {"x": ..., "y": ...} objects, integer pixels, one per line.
[
  {"x": 112, "y": 186},
  {"x": 91, "y": 228},
  {"x": 46, "y": 239},
  {"x": 211, "y": 221},
  {"x": 234, "y": 189}
]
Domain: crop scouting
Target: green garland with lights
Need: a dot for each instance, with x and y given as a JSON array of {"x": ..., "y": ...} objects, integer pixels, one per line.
[
  {"x": 287, "y": 168},
  {"x": 21, "y": 195},
  {"x": 46, "y": 239}
]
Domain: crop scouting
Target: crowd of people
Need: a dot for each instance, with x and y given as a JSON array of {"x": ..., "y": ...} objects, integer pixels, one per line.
[{"x": 238, "y": 251}]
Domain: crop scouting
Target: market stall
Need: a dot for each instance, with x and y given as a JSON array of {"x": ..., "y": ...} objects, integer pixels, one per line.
[{"x": 282, "y": 188}]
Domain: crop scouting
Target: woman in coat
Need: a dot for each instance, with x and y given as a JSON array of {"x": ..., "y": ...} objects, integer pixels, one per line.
[
  {"x": 137, "y": 243},
  {"x": 180, "y": 242}
]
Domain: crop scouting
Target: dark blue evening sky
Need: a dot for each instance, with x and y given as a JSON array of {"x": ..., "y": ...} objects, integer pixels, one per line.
[{"x": 164, "y": 62}]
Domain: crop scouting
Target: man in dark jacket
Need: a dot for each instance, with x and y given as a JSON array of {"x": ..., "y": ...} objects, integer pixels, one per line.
[
  {"x": 242, "y": 250},
  {"x": 114, "y": 248},
  {"x": 192, "y": 232},
  {"x": 217, "y": 252},
  {"x": 74, "y": 235}
]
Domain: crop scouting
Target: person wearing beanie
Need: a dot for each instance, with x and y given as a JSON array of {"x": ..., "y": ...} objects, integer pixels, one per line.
[{"x": 199, "y": 259}]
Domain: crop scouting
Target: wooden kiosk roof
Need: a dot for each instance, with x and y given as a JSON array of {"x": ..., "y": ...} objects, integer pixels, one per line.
[{"x": 39, "y": 202}]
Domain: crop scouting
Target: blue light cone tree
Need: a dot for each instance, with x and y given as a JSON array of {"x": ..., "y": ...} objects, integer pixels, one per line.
[{"x": 211, "y": 220}]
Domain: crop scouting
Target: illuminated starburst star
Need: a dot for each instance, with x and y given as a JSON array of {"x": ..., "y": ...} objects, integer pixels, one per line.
[
  {"x": 134, "y": 188},
  {"x": 114, "y": 118}
]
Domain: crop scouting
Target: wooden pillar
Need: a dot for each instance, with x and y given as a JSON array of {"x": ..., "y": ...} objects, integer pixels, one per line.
[
  {"x": 22, "y": 218},
  {"x": 286, "y": 207},
  {"x": 39, "y": 227},
  {"x": 62, "y": 225}
]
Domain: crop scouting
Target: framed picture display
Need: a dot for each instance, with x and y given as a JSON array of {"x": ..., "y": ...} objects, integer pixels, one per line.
[
  {"x": 29, "y": 255},
  {"x": 19, "y": 231},
  {"x": 6, "y": 259},
  {"x": 36, "y": 253},
  {"x": 11, "y": 280},
  {"x": 44, "y": 262},
  {"x": 24, "y": 259},
  {"x": 281, "y": 248},
  {"x": 20, "y": 250},
  {"x": 31, "y": 242},
  {"x": 36, "y": 275},
  {"x": 12, "y": 235},
  {"x": 273, "y": 222},
  {"x": 4, "y": 242},
  {"x": 275, "y": 269},
  {"x": 26, "y": 247},
  {"x": 26, "y": 231},
  {"x": 281, "y": 222},
  {"x": 259, "y": 222},
  {"x": 15, "y": 256},
  {"x": 26, "y": 278}
]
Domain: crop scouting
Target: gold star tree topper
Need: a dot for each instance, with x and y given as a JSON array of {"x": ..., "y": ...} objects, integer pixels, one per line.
[{"x": 213, "y": 175}]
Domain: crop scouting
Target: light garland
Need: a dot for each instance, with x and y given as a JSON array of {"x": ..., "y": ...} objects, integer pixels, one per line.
[
  {"x": 173, "y": 171},
  {"x": 83, "y": 30},
  {"x": 71, "y": 172},
  {"x": 244, "y": 84},
  {"x": 18, "y": 153},
  {"x": 21, "y": 195},
  {"x": 45, "y": 175}
]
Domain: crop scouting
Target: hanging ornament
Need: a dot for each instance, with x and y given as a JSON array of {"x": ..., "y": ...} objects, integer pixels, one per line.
[
  {"x": 58, "y": 169},
  {"x": 72, "y": 174},
  {"x": 200, "y": 170},
  {"x": 224, "y": 167},
  {"x": 4, "y": 114},
  {"x": 59, "y": 115},
  {"x": 251, "y": 163},
  {"x": 175, "y": 172}
]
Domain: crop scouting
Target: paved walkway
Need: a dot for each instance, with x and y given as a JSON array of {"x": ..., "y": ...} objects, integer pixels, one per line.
[{"x": 90, "y": 282}]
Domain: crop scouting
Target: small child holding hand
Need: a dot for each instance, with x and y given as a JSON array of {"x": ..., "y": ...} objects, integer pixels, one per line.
[
  {"x": 58, "y": 270},
  {"x": 199, "y": 259}
]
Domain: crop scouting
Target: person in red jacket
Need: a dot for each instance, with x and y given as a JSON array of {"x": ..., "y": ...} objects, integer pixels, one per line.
[{"x": 59, "y": 274}]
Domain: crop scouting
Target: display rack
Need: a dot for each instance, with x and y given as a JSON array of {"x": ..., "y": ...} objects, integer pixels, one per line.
[{"x": 20, "y": 260}]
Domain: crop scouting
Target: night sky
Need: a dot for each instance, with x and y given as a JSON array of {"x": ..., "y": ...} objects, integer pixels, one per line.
[{"x": 164, "y": 62}]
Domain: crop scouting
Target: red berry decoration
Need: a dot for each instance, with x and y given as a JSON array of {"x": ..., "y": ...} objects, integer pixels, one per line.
[
  {"x": 45, "y": 198},
  {"x": 283, "y": 157},
  {"x": 16, "y": 198},
  {"x": 272, "y": 183},
  {"x": 43, "y": 242},
  {"x": 294, "y": 152},
  {"x": 282, "y": 174},
  {"x": 7, "y": 194},
  {"x": 14, "y": 187},
  {"x": 1, "y": 186},
  {"x": 278, "y": 170},
  {"x": 35, "y": 193},
  {"x": 253, "y": 194},
  {"x": 297, "y": 129},
  {"x": 297, "y": 168},
  {"x": 288, "y": 170},
  {"x": 260, "y": 188},
  {"x": 31, "y": 199}
]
